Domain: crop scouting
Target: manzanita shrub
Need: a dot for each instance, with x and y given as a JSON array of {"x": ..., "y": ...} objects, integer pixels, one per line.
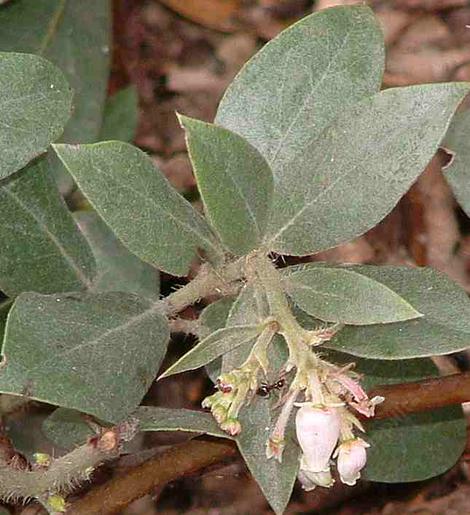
[{"x": 305, "y": 153}]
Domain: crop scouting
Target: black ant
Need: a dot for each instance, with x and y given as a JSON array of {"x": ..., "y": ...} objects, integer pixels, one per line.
[{"x": 265, "y": 389}]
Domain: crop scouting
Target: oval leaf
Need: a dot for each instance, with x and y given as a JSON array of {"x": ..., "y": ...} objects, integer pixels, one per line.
[
  {"x": 75, "y": 36},
  {"x": 117, "y": 268},
  {"x": 293, "y": 88},
  {"x": 444, "y": 328},
  {"x": 457, "y": 173},
  {"x": 215, "y": 345},
  {"x": 96, "y": 353},
  {"x": 42, "y": 247},
  {"x": 345, "y": 296},
  {"x": 235, "y": 182},
  {"x": 353, "y": 175},
  {"x": 139, "y": 204},
  {"x": 35, "y": 104}
]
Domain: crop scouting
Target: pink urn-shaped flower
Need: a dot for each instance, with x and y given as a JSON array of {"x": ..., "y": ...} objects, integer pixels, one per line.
[
  {"x": 352, "y": 458},
  {"x": 318, "y": 430}
]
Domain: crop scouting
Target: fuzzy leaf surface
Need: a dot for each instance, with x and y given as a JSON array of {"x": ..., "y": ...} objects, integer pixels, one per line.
[
  {"x": 75, "y": 37},
  {"x": 138, "y": 203},
  {"x": 457, "y": 141},
  {"x": 117, "y": 268},
  {"x": 213, "y": 346},
  {"x": 342, "y": 295},
  {"x": 443, "y": 329},
  {"x": 294, "y": 87},
  {"x": 35, "y": 104},
  {"x": 214, "y": 317},
  {"x": 96, "y": 353},
  {"x": 245, "y": 310},
  {"x": 42, "y": 248},
  {"x": 235, "y": 182},
  {"x": 355, "y": 172}
]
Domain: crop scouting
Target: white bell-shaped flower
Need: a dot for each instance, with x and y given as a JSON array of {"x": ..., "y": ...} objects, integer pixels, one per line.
[
  {"x": 352, "y": 458},
  {"x": 318, "y": 431}
]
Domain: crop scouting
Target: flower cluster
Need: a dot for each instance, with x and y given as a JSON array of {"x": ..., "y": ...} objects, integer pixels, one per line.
[
  {"x": 325, "y": 430},
  {"x": 225, "y": 404},
  {"x": 328, "y": 396},
  {"x": 319, "y": 432}
]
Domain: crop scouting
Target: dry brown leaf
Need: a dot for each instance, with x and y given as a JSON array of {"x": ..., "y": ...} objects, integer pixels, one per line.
[{"x": 214, "y": 14}]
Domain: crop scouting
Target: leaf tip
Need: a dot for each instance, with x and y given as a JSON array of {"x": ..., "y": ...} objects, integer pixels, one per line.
[{"x": 183, "y": 120}]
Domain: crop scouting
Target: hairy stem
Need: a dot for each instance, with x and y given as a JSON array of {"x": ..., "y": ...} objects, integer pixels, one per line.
[
  {"x": 208, "y": 282},
  {"x": 65, "y": 473}
]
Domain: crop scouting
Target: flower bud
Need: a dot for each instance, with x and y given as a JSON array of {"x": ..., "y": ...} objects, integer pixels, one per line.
[
  {"x": 318, "y": 431},
  {"x": 351, "y": 460},
  {"x": 219, "y": 413},
  {"x": 231, "y": 426}
]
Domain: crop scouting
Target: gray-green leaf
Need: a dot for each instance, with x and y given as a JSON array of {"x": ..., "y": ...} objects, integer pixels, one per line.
[
  {"x": 166, "y": 419},
  {"x": 42, "y": 248},
  {"x": 139, "y": 204},
  {"x": 74, "y": 36},
  {"x": 213, "y": 346},
  {"x": 345, "y": 296},
  {"x": 294, "y": 87},
  {"x": 444, "y": 328},
  {"x": 457, "y": 141},
  {"x": 235, "y": 182},
  {"x": 275, "y": 479},
  {"x": 214, "y": 317},
  {"x": 35, "y": 104},
  {"x": 352, "y": 176},
  {"x": 117, "y": 268},
  {"x": 245, "y": 310},
  {"x": 120, "y": 116},
  {"x": 96, "y": 353},
  {"x": 66, "y": 428}
]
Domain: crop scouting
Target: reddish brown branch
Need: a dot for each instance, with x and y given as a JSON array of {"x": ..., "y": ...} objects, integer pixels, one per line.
[
  {"x": 429, "y": 394},
  {"x": 181, "y": 460},
  {"x": 195, "y": 455}
]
